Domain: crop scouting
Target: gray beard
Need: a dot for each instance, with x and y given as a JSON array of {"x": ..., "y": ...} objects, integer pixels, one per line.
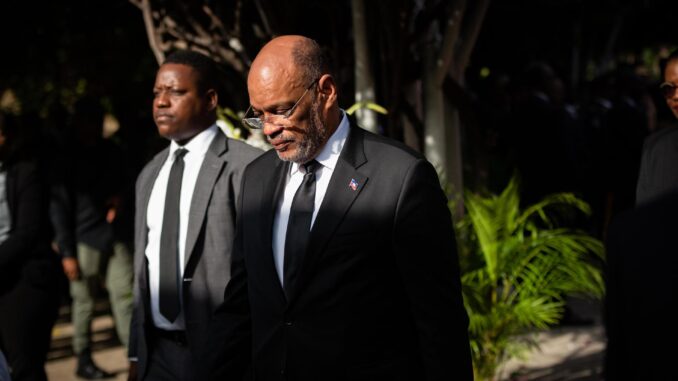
[{"x": 315, "y": 137}]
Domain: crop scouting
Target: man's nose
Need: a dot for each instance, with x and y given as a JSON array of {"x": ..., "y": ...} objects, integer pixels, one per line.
[
  {"x": 271, "y": 129},
  {"x": 161, "y": 100}
]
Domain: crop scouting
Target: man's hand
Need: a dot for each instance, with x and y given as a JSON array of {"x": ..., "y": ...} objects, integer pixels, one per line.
[
  {"x": 113, "y": 203},
  {"x": 132, "y": 373},
  {"x": 71, "y": 268}
]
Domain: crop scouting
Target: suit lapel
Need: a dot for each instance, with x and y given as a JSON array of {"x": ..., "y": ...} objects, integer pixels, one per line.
[
  {"x": 209, "y": 173},
  {"x": 345, "y": 185},
  {"x": 270, "y": 198},
  {"x": 146, "y": 185}
]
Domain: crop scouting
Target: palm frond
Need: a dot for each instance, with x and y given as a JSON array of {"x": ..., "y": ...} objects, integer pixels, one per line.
[{"x": 517, "y": 267}]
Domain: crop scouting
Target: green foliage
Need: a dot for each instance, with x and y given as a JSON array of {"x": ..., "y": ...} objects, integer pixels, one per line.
[
  {"x": 230, "y": 122},
  {"x": 368, "y": 105},
  {"x": 517, "y": 266}
]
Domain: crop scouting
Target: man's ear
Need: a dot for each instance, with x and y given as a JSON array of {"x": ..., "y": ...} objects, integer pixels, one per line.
[
  {"x": 212, "y": 99},
  {"x": 327, "y": 89}
]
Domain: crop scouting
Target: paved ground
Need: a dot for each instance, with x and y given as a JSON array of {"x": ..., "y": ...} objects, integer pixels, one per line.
[
  {"x": 111, "y": 359},
  {"x": 568, "y": 353}
]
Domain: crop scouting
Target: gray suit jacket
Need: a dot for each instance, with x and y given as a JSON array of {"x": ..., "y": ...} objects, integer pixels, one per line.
[{"x": 209, "y": 243}]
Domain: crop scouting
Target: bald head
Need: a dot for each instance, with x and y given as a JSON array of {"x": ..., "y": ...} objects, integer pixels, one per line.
[{"x": 297, "y": 60}]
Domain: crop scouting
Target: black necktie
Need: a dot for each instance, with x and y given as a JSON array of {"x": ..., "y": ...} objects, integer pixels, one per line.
[
  {"x": 169, "y": 241},
  {"x": 299, "y": 225}
]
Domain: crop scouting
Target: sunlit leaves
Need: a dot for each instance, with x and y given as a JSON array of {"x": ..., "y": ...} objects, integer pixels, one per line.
[{"x": 517, "y": 267}]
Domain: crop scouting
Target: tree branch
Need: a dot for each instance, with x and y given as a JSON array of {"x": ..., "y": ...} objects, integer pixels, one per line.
[
  {"x": 472, "y": 27},
  {"x": 136, "y": 3},
  {"x": 154, "y": 38},
  {"x": 455, "y": 15},
  {"x": 264, "y": 18}
]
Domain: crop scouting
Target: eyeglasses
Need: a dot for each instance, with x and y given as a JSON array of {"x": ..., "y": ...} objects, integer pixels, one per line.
[
  {"x": 668, "y": 89},
  {"x": 257, "y": 122}
]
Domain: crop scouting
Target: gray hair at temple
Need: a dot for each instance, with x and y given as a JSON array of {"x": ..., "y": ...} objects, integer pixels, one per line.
[{"x": 310, "y": 58}]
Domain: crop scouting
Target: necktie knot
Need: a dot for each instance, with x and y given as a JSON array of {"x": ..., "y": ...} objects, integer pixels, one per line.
[
  {"x": 310, "y": 167},
  {"x": 180, "y": 153}
]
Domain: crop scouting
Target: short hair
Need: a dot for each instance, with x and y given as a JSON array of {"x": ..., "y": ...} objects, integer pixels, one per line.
[
  {"x": 672, "y": 56},
  {"x": 664, "y": 62},
  {"x": 202, "y": 64},
  {"x": 309, "y": 57}
]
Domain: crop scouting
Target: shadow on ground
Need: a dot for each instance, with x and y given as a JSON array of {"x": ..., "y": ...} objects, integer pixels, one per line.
[{"x": 573, "y": 368}]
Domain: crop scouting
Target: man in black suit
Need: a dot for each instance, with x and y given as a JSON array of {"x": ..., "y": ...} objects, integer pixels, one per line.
[
  {"x": 345, "y": 265},
  {"x": 185, "y": 222},
  {"x": 659, "y": 165}
]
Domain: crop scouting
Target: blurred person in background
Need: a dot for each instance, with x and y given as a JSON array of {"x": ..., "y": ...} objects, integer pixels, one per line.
[
  {"x": 86, "y": 201},
  {"x": 659, "y": 164},
  {"x": 641, "y": 260},
  {"x": 29, "y": 269}
]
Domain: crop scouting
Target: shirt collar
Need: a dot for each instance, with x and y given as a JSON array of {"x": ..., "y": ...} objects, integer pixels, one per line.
[
  {"x": 199, "y": 144},
  {"x": 329, "y": 154}
]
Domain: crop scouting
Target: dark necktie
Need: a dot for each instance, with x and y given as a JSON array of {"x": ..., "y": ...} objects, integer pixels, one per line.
[
  {"x": 299, "y": 225},
  {"x": 169, "y": 241}
]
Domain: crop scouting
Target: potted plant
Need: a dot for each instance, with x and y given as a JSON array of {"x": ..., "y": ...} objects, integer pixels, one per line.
[{"x": 517, "y": 266}]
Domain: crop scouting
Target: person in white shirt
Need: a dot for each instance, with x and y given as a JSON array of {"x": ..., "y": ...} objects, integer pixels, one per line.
[{"x": 185, "y": 222}]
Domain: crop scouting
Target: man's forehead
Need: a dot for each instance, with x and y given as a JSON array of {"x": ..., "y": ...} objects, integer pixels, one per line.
[
  {"x": 268, "y": 78},
  {"x": 172, "y": 70}
]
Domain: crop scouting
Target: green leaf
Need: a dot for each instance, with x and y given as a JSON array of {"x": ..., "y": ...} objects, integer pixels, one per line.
[{"x": 368, "y": 105}]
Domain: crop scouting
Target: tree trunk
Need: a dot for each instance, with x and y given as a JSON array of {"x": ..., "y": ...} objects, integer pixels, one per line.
[
  {"x": 455, "y": 167},
  {"x": 364, "y": 79},
  {"x": 434, "y": 114}
]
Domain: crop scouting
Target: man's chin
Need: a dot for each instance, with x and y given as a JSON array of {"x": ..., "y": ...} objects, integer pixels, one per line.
[
  {"x": 165, "y": 130},
  {"x": 292, "y": 155},
  {"x": 285, "y": 156}
]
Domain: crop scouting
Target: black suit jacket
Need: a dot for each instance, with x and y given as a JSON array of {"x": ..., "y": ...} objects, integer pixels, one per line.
[
  {"x": 378, "y": 296},
  {"x": 26, "y": 254},
  {"x": 642, "y": 292},
  {"x": 659, "y": 166}
]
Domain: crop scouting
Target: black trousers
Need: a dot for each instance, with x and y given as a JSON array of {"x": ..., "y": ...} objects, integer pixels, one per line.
[
  {"x": 170, "y": 358},
  {"x": 28, "y": 310}
]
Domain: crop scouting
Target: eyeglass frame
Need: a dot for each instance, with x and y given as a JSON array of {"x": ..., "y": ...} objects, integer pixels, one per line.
[
  {"x": 257, "y": 123},
  {"x": 668, "y": 94}
]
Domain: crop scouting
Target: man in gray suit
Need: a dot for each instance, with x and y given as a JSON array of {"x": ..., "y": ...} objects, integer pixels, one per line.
[{"x": 185, "y": 220}]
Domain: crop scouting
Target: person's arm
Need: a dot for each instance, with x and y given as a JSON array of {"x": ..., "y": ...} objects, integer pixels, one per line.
[
  {"x": 229, "y": 345},
  {"x": 26, "y": 214},
  {"x": 132, "y": 346},
  {"x": 62, "y": 215},
  {"x": 426, "y": 255},
  {"x": 137, "y": 297}
]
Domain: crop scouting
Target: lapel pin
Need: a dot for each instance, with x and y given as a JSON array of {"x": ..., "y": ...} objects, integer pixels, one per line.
[{"x": 353, "y": 184}]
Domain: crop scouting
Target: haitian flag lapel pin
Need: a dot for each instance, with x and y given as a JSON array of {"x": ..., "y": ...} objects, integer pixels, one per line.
[{"x": 353, "y": 184}]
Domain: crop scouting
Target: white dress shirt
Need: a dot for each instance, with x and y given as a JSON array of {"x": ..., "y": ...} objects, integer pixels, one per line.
[
  {"x": 193, "y": 159},
  {"x": 327, "y": 157}
]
